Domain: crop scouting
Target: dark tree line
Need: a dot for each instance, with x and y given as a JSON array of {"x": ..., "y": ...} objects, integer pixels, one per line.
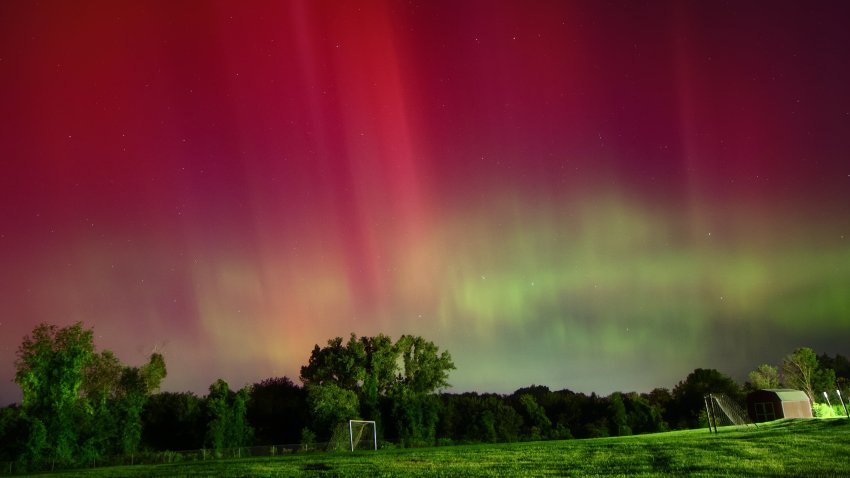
[{"x": 80, "y": 405}]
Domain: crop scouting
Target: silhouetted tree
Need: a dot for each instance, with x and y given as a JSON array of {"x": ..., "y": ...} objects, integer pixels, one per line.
[
  {"x": 838, "y": 364},
  {"x": 13, "y": 427},
  {"x": 174, "y": 421},
  {"x": 564, "y": 408},
  {"x": 277, "y": 411},
  {"x": 470, "y": 417},
  {"x": 688, "y": 395},
  {"x": 661, "y": 399}
]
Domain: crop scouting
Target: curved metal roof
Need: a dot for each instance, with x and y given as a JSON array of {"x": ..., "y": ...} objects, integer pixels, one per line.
[{"x": 788, "y": 394}]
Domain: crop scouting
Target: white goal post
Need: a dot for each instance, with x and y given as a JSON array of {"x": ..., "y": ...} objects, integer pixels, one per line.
[{"x": 355, "y": 432}]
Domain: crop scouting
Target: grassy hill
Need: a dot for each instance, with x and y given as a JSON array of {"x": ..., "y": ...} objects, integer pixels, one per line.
[{"x": 817, "y": 447}]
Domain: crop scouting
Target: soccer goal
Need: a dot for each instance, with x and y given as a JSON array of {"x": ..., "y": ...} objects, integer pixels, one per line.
[
  {"x": 363, "y": 435},
  {"x": 721, "y": 410}
]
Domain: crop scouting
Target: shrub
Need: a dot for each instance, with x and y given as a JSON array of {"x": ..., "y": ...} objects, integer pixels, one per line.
[
  {"x": 308, "y": 439},
  {"x": 822, "y": 410}
]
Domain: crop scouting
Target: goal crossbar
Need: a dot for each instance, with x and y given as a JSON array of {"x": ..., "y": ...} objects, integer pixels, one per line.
[{"x": 351, "y": 438}]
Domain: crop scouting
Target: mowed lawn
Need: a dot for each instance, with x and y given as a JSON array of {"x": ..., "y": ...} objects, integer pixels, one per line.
[{"x": 817, "y": 447}]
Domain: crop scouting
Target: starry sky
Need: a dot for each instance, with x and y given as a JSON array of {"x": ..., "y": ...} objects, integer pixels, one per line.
[{"x": 593, "y": 195}]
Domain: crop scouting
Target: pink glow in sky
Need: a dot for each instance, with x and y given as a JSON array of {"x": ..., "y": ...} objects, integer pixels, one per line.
[{"x": 589, "y": 195}]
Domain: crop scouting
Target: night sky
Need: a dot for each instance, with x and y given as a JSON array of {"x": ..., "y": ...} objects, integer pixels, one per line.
[{"x": 593, "y": 195}]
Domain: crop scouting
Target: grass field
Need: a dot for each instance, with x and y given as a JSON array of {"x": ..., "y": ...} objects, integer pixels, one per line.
[{"x": 818, "y": 447}]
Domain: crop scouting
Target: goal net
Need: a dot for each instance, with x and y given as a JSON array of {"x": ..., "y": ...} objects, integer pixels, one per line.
[
  {"x": 723, "y": 411},
  {"x": 362, "y": 435}
]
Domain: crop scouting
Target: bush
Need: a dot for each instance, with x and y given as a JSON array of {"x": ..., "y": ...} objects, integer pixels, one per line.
[
  {"x": 171, "y": 457},
  {"x": 308, "y": 439},
  {"x": 822, "y": 410}
]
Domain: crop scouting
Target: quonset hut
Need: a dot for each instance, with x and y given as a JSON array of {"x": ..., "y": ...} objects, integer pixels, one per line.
[{"x": 773, "y": 404}]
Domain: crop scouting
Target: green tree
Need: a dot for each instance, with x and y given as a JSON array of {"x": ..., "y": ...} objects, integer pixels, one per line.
[
  {"x": 50, "y": 369},
  {"x": 241, "y": 433},
  {"x": 342, "y": 365},
  {"x": 98, "y": 427},
  {"x": 643, "y": 416},
  {"x": 801, "y": 370},
  {"x": 331, "y": 404},
  {"x": 661, "y": 400},
  {"x": 79, "y": 404},
  {"x": 538, "y": 423},
  {"x": 425, "y": 371},
  {"x": 219, "y": 412},
  {"x": 764, "y": 377},
  {"x": 404, "y": 375},
  {"x": 114, "y": 397},
  {"x": 153, "y": 373},
  {"x": 380, "y": 356},
  {"x": 101, "y": 377},
  {"x": 131, "y": 399},
  {"x": 618, "y": 418},
  {"x": 228, "y": 424}
]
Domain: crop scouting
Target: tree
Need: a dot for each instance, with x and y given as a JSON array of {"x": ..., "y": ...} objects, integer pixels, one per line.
[
  {"x": 473, "y": 417},
  {"x": 565, "y": 411},
  {"x": 336, "y": 363},
  {"x": 79, "y": 404},
  {"x": 135, "y": 387},
  {"x": 12, "y": 430},
  {"x": 840, "y": 365},
  {"x": 277, "y": 411},
  {"x": 101, "y": 377},
  {"x": 153, "y": 372},
  {"x": 539, "y": 424},
  {"x": 398, "y": 378},
  {"x": 173, "y": 421},
  {"x": 801, "y": 370},
  {"x": 380, "y": 357},
  {"x": 619, "y": 420},
  {"x": 227, "y": 426},
  {"x": 643, "y": 416},
  {"x": 661, "y": 398},
  {"x": 331, "y": 404},
  {"x": 425, "y": 371},
  {"x": 50, "y": 369},
  {"x": 688, "y": 395},
  {"x": 595, "y": 417},
  {"x": 99, "y": 426},
  {"x": 764, "y": 377}
]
